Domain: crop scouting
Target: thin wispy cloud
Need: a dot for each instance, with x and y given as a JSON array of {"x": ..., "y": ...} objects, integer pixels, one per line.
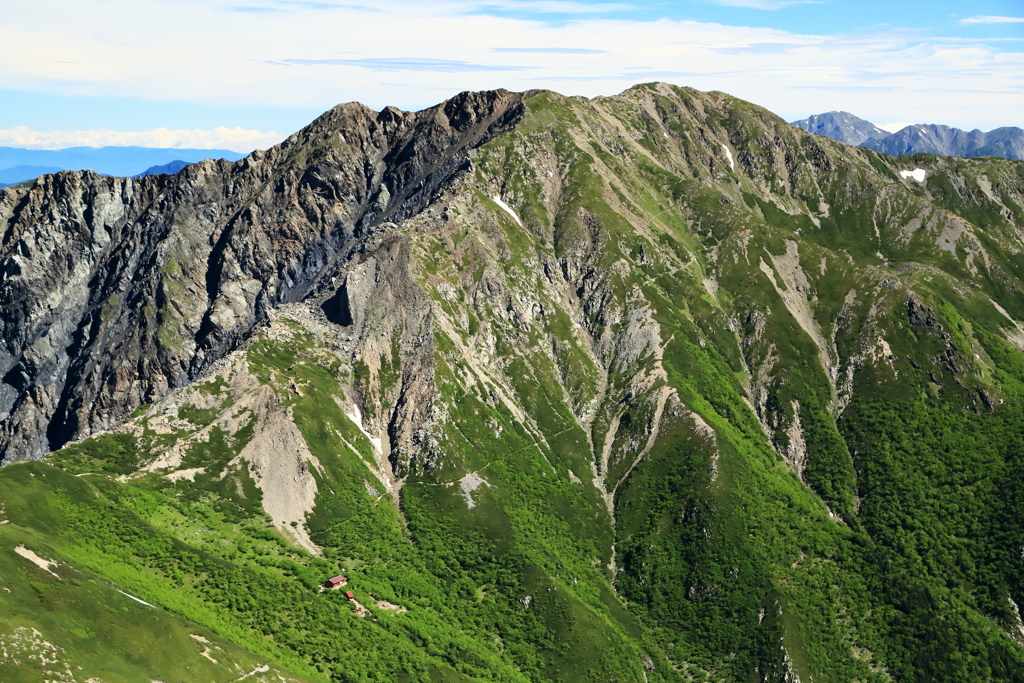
[
  {"x": 657, "y": 74},
  {"x": 958, "y": 39},
  {"x": 235, "y": 139},
  {"x": 992, "y": 20},
  {"x": 407, "y": 64},
  {"x": 300, "y": 5},
  {"x": 551, "y": 50},
  {"x": 305, "y": 4},
  {"x": 761, "y": 49}
]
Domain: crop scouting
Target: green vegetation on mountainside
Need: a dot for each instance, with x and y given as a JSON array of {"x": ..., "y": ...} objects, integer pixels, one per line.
[{"x": 722, "y": 401}]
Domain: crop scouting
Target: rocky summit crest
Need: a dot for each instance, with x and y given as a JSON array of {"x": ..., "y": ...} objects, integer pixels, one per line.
[{"x": 202, "y": 255}]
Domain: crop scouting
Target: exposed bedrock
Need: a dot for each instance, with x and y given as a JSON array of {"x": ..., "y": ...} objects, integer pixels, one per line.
[{"x": 115, "y": 290}]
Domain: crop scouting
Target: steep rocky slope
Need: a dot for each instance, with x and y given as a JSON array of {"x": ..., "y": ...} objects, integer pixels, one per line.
[
  {"x": 115, "y": 289},
  {"x": 646, "y": 387}
]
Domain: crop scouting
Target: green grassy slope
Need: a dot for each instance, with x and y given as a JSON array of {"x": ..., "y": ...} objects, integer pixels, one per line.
[
  {"x": 722, "y": 400},
  {"x": 63, "y": 622}
]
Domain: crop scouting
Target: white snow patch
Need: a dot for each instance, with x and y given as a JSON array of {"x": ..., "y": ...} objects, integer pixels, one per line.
[
  {"x": 199, "y": 638},
  {"x": 357, "y": 418},
  {"x": 36, "y": 560},
  {"x": 469, "y": 483},
  {"x": 917, "y": 174},
  {"x": 728, "y": 155},
  {"x": 507, "y": 208},
  {"x": 134, "y": 598}
]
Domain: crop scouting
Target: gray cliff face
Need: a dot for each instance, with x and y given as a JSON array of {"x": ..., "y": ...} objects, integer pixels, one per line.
[
  {"x": 842, "y": 126},
  {"x": 115, "y": 290}
]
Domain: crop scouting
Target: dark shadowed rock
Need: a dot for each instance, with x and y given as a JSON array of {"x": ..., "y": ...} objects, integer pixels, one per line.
[{"x": 115, "y": 290}]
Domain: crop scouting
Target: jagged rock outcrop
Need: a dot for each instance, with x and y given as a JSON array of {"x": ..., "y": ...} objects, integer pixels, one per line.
[{"x": 115, "y": 289}]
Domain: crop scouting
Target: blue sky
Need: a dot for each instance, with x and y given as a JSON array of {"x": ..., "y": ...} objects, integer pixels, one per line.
[
  {"x": 800, "y": 16},
  {"x": 244, "y": 74}
]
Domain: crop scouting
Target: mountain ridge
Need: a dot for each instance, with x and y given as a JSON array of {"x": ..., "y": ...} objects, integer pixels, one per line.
[
  {"x": 215, "y": 328},
  {"x": 1006, "y": 142},
  {"x": 650, "y": 387}
]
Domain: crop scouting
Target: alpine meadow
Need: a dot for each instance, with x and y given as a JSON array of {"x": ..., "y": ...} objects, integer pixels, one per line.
[{"x": 654, "y": 388}]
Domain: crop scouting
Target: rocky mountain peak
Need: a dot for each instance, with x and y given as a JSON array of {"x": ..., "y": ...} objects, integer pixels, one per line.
[
  {"x": 842, "y": 126},
  {"x": 116, "y": 290}
]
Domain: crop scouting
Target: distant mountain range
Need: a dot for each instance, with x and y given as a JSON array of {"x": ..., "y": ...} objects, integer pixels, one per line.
[
  {"x": 19, "y": 174},
  {"x": 164, "y": 169},
  {"x": 18, "y": 165},
  {"x": 919, "y": 138}
]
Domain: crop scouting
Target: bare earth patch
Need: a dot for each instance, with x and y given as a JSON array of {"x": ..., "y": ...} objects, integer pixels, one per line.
[
  {"x": 36, "y": 560},
  {"x": 279, "y": 461},
  {"x": 469, "y": 483}
]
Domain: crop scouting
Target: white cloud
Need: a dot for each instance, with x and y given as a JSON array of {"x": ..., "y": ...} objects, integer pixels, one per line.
[
  {"x": 434, "y": 50},
  {"x": 992, "y": 20},
  {"x": 234, "y": 139},
  {"x": 895, "y": 127}
]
